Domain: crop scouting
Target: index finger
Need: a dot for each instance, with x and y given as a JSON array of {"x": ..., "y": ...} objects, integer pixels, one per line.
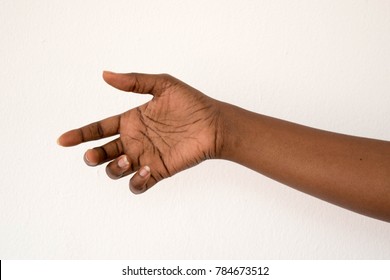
[{"x": 94, "y": 131}]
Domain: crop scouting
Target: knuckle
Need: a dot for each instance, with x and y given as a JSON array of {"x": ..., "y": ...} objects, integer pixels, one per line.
[
  {"x": 102, "y": 152},
  {"x": 95, "y": 130},
  {"x": 165, "y": 76},
  {"x": 133, "y": 84},
  {"x": 99, "y": 130},
  {"x": 166, "y": 81},
  {"x": 137, "y": 85}
]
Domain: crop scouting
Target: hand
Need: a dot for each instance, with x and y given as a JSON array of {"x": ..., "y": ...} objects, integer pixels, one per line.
[{"x": 177, "y": 129}]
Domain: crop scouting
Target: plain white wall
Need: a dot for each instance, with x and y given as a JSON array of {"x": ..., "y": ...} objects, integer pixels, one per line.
[{"x": 320, "y": 63}]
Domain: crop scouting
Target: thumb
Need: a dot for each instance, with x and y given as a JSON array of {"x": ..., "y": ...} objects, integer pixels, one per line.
[{"x": 139, "y": 83}]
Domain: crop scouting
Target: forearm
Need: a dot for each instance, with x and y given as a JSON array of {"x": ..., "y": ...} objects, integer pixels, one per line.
[{"x": 349, "y": 171}]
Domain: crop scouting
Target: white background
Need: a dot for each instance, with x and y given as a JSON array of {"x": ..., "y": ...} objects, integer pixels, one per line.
[{"x": 324, "y": 64}]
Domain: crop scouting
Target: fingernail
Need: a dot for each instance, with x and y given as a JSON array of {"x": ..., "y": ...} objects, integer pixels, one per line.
[
  {"x": 123, "y": 162},
  {"x": 144, "y": 171}
]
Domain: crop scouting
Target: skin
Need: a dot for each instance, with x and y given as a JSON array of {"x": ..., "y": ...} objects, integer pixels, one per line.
[{"x": 181, "y": 127}]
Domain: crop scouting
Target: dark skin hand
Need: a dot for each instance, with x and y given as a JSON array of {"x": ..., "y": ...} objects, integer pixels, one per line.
[
  {"x": 181, "y": 127},
  {"x": 177, "y": 129}
]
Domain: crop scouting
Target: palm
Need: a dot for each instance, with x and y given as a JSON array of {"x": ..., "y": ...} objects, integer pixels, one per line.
[{"x": 172, "y": 132}]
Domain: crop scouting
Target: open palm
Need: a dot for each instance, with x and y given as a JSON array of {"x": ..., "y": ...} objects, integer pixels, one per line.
[{"x": 178, "y": 128}]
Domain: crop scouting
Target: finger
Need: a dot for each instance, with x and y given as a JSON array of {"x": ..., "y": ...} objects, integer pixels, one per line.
[
  {"x": 138, "y": 183},
  {"x": 94, "y": 131},
  {"x": 139, "y": 83},
  {"x": 120, "y": 167},
  {"x": 99, "y": 155}
]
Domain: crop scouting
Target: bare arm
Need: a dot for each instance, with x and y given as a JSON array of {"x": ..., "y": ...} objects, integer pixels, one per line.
[
  {"x": 181, "y": 127},
  {"x": 349, "y": 171}
]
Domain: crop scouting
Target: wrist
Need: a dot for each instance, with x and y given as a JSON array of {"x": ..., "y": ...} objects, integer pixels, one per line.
[{"x": 230, "y": 133}]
